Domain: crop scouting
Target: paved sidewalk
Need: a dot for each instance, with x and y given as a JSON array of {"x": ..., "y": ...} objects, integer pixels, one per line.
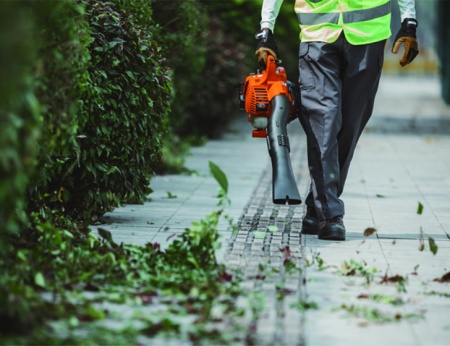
[
  {"x": 178, "y": 200},
  {"x": 401, "y": 160}
]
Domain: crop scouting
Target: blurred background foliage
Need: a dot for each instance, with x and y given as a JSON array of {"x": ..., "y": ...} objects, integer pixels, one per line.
[{"x": 210, "y": 46}]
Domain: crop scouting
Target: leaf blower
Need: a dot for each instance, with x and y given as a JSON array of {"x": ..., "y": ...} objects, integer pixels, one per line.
[{"x": 270, "y": 102}]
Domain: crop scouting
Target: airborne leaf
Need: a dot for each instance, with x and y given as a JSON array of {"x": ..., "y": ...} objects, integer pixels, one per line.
[
  {"x": 39, "y": 279},
  {"x": 369, "y": 231},
  {"x": 433, "y": 246},
  {"x": 420, "y": 208}
]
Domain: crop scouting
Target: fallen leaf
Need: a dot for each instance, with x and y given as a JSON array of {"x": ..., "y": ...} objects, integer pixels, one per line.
[
  {"x": 171, "y": 236},
  {"x": 395, "y": 278},
  {"x": 105, "y": 234},
  {"x": 225, "y": 277},
  {"x": 285, "y": 291},
  {"x": 257, "y": 277},
  {"x": 272, "y": 228},
  {"x": 259, "y": 234},
  {"x": 444, "y": 278},
  {"x": 171, "y": 195},
  {"x": 287, "y": 253}
]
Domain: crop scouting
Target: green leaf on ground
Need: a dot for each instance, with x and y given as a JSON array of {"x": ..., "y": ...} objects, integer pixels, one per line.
[
  {"x": 439, "y": 294},
  {"x": 259, "y": 234},
  {"x": 374, "y": 315},
  {"x": 304, "y": 305},
  {"x": 399, "y": 280},
  {"x": 105, "y": 234},
  {"x": 420, "y": 209},
  {"x": 382, "y": 298},
  {"x": 171, "y": 195},
  {"x": 272, "y": 228},
  {"x": 219, "y": 175},
  {"x": 358, "y": 268}
]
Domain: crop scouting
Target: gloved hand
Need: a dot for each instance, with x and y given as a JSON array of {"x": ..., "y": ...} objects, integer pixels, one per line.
[
  {"x": 266, "y": 45},
  {"x": 407, "y": 36}
]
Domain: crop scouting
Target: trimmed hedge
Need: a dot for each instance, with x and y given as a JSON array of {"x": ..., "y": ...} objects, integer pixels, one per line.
[
  {"x": 124, "y": 112},
  {"x": 60, "y": 79},
  {"x": 105, "y": 94}
]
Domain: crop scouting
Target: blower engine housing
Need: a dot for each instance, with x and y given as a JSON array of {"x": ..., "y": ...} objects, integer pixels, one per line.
[{"x": 259, "y": 89}]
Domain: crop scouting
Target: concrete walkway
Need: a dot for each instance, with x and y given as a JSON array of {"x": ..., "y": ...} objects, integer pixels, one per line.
[{"x": 374, "y": 290}]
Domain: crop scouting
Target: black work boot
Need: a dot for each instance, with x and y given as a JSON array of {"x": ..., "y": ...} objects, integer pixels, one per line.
[
  {"x": 332, "y": 229},
  {"x": 311, "y": 222}
]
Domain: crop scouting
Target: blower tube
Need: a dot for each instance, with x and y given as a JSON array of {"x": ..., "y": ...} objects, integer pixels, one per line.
[{"x": 284, "y": 186}]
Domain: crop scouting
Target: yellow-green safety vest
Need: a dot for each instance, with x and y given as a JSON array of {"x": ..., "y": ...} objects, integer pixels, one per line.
[{"x": 362, "y": 21}]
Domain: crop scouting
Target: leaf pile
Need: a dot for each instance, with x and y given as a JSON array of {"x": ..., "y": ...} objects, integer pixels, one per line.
[{"x": 44, "y": 281}]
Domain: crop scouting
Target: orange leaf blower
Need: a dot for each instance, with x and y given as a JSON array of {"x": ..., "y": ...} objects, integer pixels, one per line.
[{"x": 270, "y": 102}]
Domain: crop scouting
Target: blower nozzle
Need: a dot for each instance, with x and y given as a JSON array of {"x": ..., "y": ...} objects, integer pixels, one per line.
[{"x": 284, "y": 186}]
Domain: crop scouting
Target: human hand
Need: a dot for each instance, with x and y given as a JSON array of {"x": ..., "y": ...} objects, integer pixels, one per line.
[
  {"x": 266, "y": 46},
  {"x": 407, "y": 36}
]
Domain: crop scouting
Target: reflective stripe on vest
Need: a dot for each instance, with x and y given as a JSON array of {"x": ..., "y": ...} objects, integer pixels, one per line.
[{"x": 324, "y": 20}]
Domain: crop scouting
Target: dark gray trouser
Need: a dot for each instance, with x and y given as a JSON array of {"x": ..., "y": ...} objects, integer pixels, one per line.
[{"x": 338, "y": 84}]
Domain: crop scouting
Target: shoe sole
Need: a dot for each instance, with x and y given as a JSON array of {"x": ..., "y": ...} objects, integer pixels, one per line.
[
  {"x": 339, "y": 235},
  {"x": 308, "y": 230}
]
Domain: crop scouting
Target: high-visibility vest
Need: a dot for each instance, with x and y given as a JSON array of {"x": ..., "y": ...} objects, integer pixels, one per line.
[{"x": 362, "y": 21}]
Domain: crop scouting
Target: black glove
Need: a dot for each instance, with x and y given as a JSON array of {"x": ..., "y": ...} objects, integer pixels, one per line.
[
  {"x": 407, "y": 36},
  {"x": 266, "y": 45}
]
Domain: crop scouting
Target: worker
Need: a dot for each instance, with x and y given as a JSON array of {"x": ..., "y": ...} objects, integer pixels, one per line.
[{"x": 341, "y": 55}]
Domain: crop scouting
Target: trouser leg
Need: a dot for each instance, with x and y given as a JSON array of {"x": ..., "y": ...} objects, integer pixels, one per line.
[
  {"x": 362, "y": 71},
  {"x": 338, "y": 84}
]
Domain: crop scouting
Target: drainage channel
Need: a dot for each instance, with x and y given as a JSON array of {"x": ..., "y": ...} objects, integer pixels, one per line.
[{"x": 266, "y": 251}]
